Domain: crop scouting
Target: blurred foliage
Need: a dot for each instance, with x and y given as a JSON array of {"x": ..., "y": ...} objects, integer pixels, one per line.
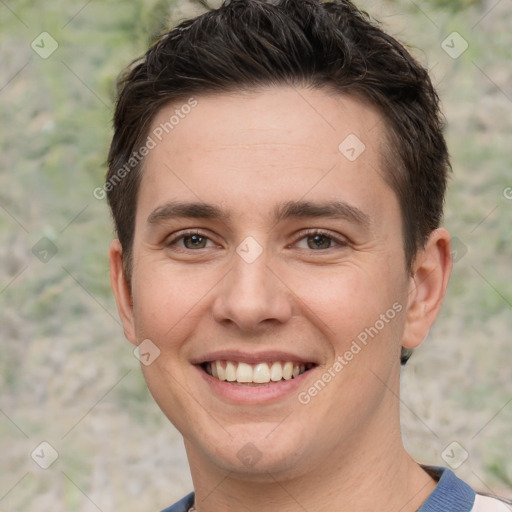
[
  {"x": 446, "y": 5},
  {"x": 454, "y": 5}
]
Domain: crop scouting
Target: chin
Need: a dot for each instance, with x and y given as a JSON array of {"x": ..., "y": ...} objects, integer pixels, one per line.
[{"x": 255, "y": 452}]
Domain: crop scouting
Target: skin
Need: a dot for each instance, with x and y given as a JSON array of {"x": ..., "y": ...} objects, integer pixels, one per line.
[{"x": 246, "y": 153}]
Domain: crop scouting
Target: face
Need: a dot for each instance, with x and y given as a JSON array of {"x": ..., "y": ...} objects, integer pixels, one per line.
[{"x": 269, "y": 276}]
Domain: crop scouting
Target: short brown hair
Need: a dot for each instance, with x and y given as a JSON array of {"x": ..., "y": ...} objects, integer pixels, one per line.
[{"x": 245, "y": 44}]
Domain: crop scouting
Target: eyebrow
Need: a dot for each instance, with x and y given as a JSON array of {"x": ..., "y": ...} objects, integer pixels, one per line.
[
  {"x": 174, "y": 209},
  {"x": 283, "y": 211},
  {"x": 328, "y": 209}
]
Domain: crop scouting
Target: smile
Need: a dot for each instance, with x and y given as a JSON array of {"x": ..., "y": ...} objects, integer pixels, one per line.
[{"x": 240, "y": 373}]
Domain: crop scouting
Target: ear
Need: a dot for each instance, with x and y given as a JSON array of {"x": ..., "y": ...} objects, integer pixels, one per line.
[
  {"x": 427, "y": 286},
  {"x": 121, "y": 289}
]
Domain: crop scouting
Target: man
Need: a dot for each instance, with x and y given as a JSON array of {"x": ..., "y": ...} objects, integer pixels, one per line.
[{"x": 277, "y": 177}]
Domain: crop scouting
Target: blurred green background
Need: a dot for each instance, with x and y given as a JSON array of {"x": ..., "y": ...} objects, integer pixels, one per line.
[{"x": 68, "y": 376}]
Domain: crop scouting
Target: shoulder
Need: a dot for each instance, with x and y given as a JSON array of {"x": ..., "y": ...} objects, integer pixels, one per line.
[
  {"x": 453, "y": 495},
  {"x": 183, "y": 505},
  {"x": 490, "y": 504}
]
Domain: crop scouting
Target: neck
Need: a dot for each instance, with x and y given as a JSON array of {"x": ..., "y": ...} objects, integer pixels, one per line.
[{"x": 357, "y": 480}]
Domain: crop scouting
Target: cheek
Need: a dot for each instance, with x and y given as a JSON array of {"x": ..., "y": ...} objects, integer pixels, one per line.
[
  {"x": 346, "y": 299},
  {"x": 171, "y": 302},
  {"x": 166, "y": 302},
  {"x": 360, "y": 314}
]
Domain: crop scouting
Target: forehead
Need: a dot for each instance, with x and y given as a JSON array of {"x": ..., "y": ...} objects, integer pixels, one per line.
[{"x": 264, "y": 146}]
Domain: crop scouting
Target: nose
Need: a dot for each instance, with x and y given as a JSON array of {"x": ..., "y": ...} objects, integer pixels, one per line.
[{"x": 252, "y": 297}]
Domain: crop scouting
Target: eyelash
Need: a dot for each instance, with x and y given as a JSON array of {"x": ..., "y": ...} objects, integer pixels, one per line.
[
  {"x": 307, "y": 233},
  {"x": 183, "y": 235},
  {"x": 313, "y": 232}
]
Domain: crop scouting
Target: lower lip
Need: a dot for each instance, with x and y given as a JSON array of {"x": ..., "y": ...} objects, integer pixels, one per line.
[{"x": 254, "y": 394}]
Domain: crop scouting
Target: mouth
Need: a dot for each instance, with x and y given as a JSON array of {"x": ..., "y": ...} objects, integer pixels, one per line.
[{"x": 259, "y": 374}]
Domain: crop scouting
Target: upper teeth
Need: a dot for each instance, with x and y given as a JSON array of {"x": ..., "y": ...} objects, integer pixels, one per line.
[{"x": 259, "y": 373}]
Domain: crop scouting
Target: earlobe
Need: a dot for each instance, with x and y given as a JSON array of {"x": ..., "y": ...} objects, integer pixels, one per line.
[
  {"x": 121, "y": 290},
  {"x": 428, "y": 282}
]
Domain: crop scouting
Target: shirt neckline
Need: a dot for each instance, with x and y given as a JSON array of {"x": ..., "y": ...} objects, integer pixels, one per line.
[{"x": 451, "y": 494}]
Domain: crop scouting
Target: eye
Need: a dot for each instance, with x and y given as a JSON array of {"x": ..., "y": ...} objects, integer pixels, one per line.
[
  {"x": 190, "y": 240},
  {"x": 319, "y": 240},
  {"x": 194, "y": 241}
]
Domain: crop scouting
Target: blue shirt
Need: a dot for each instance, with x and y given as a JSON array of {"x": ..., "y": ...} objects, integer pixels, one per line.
[{"x": 450, "y": 495}]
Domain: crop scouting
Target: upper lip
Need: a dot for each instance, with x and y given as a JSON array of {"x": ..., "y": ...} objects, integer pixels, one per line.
[{"x": 252, "y": 357}]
